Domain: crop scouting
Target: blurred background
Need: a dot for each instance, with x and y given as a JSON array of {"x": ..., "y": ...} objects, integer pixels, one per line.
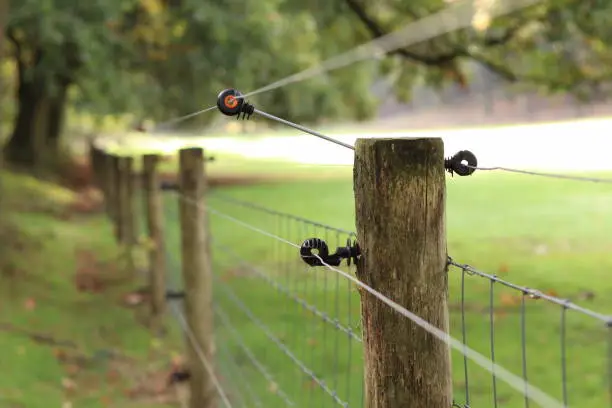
[{"x": 530, "y": 89}]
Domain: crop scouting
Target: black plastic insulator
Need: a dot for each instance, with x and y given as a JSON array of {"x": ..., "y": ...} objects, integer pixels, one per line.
[
  {"x": 168, "y": 186},
  {"x": 308, "y": 249},
  {"x": 456, "y": 165},
  {"x": 179, "y": 376},
  {"x": 175, "y": 295},
  {"x": 322, "y": 257},
  {"x": 231, "y": 103}
]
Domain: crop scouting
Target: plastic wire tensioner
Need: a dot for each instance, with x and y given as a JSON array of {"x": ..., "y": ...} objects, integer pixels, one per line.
[
  {"x": 350, "y": 252},
  {"x": 231, "y": 103}
]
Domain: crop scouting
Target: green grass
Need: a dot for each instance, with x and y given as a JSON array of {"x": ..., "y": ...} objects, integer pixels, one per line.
[
  {"x": 38, "y": 296},
  {"x": 548, "y": 234},
  {"x": 233, "y": 165}
]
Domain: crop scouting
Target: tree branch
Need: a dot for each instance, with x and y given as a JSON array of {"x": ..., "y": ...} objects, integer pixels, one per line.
[
  {"x": 433, "y": 60},
  {"x": 376, "y": 30},
  {"x": 10, "y": 34}
]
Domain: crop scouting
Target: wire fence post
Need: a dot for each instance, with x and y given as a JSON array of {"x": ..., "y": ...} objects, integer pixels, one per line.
[
  {"x": 95, "y": 162},
  {"x": 126, "y": 217},
  {"x": 155, "y": 226},
  {"x": 197, "y": 276},
  {"x": 112, "y": 203},
  {"x": 400, "y": 217}
]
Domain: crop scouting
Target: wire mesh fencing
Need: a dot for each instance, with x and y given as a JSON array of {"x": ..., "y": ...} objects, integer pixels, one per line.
[
  {"x": 552, "y": 343},
  {"x": 292, "y": 330},
  {"x": 289, "y": 335}
]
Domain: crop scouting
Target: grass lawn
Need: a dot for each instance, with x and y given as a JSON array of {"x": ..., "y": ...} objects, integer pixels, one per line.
[
  {"x": 63, "y": 346},
  {"x": 548, "y": 234}
]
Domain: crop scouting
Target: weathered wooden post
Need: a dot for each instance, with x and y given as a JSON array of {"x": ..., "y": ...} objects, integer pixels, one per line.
[
  {"x": 156, "y": 251},
  {"x": 400, "y": 208},
  {"x": 126, "y": 214},
  {"x": 113, "y": 165},
  {"x": 197, "y": 275}
]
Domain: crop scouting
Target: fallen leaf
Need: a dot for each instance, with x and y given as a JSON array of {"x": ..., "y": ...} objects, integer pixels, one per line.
[
  {"x": 72, "y": 369},
  {"x": 312, "y": 341},
  {"x": 133, "y": 299},
  {"x": 112, "y": 376},
  {"x": 59, "y": 354},
  {"x": 508, "y": 299},
  {"x": 130, "y": 393},
  {"x": 273, "y": 387},
  {"x": 30, "y": 304},
  {"x": 503, "y": 269},
  {"x": 105, "y": 400},
  {"x": 552, "y": 292},
  {"x": 68, "y": 384},
  {"x": 177, "y": 360}
]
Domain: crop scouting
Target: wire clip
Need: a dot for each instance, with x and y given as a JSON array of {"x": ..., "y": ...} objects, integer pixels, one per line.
[
  {"x": 322, "y": 257},
  {"x": 231, "y": 103},
  {"x": 463, "y": 163}
]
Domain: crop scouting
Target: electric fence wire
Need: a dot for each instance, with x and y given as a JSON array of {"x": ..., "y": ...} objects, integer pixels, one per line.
[
  {"x": 514, "y": 381},
  {"x": 549, "y": 175},
  {"x": 458, "y": 15},
  {"x": 498, "y": 168}
]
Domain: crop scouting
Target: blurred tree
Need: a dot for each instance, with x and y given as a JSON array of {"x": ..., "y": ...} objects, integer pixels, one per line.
[
  {"x": 4, "y": 10},
  {"x": 211, "y": 46},
  {"x": 158, "y": 59},
  {"x": 559, "y": 45},
  {"x": 161, "y": 58},
  {"x": 54, "y": 42}
]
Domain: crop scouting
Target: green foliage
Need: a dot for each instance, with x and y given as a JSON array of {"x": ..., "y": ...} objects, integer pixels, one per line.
[
  {"x": 158, "y": 59},
  {"x": 558, "y": 45}
]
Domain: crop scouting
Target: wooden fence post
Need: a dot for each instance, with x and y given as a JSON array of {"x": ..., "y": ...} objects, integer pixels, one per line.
[
  {"x": 112, "y": 165},
  {"x": 197, "y": 275},
  {"x": 400, "y": 208},
  {"x": 94, "y": 162},
  {"x": 126, "y": 214},
  {"x": 155, "y": 225}
]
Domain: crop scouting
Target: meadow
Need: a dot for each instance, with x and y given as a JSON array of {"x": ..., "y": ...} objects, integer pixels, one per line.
[{"x": 302, "y": 324}]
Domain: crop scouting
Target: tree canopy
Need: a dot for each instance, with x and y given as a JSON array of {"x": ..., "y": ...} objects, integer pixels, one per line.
[{"x": 157, "y": 59}]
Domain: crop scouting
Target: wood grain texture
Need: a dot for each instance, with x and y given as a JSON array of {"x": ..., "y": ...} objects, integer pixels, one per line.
[
  {"x": 197, "y": 274},
  {"x": 400, "y": 208}
]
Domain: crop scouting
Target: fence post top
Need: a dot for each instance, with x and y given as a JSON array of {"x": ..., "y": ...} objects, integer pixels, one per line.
[{"x": 195, "y": 150}]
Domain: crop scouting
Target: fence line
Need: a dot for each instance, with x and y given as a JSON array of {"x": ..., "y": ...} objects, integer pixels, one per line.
[
  {"x": 205, "y": 362},
  {"x": 319, "y": 330},
  {"x": 483, "y": 362}
]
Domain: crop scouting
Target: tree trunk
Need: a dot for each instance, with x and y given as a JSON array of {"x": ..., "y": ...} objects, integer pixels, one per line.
[
  {"x": 57, "y": 112},
  {"x": 38, "y": 127},
  {"x": 4, "y": 12},
  {"x": 21, "y": 148}
]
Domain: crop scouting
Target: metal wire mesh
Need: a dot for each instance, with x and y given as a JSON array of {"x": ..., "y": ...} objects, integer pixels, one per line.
[
  {"x": 501, "y": 328},
  {"x": 289, "y": 335},
  {"x": 300, "y": 323}
]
